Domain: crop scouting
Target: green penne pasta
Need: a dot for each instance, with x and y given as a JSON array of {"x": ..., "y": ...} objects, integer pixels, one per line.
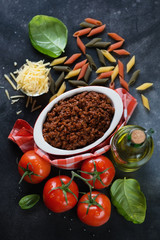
[
  {"x": 52, "y": 84},
  {"x": 98, "y": 82},
  {"x": 133, "y": 77},
  {"x": 87, "y": 25},
  {"x": 91, "y": 62},
  {"x": 62, "y": 68},
  {"x": 87, "y": 74},
  {"x": 92, "y": 42},
  {"x": 59, "y": 81},
  {"x": 101, "y": 44},
  {"x": 101, "y": 57},
  {"x": 77, "y": 83}
]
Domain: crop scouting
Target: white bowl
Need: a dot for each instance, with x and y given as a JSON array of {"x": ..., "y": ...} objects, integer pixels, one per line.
[{"x": 38, "y": 135}]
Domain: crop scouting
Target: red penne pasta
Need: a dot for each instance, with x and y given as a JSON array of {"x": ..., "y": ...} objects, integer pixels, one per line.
[
  {"x": 124, "y": 83},
  {"x": 105, "y": 75},
  {"x": 115, "y": 46},
  {"x": 121, "y": 52},
  {"x": 93, "y": 21},
  {"x": 83, "y": 71},
  {"x": 73, "y": 58},
  {"x": 96, "y": 30},
  {"x": 121, "y": 69},
  {"x": 82, "y": 32},
  {"x": 81, "y": 45},
  {"x": 80, "y": 64},
  {"x": 115, "y": 36},
  {"x": 112, "y": 85}
]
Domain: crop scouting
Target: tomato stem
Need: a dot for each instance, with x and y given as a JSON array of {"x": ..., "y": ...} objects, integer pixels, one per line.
[{"x": 27, "y": 172}]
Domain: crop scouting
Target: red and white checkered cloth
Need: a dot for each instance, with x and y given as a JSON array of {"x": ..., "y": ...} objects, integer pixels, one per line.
[{"x": 22, "y": 135}]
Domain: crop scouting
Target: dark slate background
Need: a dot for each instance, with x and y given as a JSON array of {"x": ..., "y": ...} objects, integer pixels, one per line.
[{"x": 138, "y": 22}]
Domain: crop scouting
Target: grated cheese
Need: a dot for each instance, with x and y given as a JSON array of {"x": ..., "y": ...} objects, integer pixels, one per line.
[
  {"x": 14, "y": 101},
  {"x": 18, "y": 112},
  {"x": 33, "y": 78},
  {"x": 17, "y": 96},
  {"x": 7, "y": 94},
  {"x": 36, "y": 108},
  {"x": 10, "y": 81}
]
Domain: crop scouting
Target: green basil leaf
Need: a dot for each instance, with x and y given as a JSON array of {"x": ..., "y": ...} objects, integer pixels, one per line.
[
  {"x": 48, "y": 35},
  {"x": 29, "y": 201},
  {"x": 130, "y": 202}
]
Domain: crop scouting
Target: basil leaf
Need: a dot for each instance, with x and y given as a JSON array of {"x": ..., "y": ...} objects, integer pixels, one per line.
[
  {"x": 29, "y": 201},
  {"x": 127, "y": 197},
  {"x": 48, "y": 35}
]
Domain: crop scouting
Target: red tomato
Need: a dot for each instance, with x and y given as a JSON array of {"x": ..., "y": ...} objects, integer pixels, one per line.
[
  {"x": 96, "y": 215},
  {"x": 100, "y": 169},
  {"x": 64, "y": 197},
  {"x": 33, "y": 168}
]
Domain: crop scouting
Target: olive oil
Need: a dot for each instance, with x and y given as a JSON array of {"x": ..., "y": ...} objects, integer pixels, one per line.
[{"x": 132, "y": 146}]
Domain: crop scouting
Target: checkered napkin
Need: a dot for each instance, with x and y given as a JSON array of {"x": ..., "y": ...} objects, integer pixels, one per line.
[{"x": 22, "y": 135}]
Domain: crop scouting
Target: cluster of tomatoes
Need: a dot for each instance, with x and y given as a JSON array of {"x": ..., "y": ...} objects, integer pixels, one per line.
[{"x": 61, "y": 193}]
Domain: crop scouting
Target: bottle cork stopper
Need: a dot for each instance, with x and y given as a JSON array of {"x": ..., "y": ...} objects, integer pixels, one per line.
[{"x": 138, "y": 136}]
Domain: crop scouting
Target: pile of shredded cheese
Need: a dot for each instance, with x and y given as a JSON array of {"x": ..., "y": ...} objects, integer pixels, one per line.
[{"x": 33, "y": 78}]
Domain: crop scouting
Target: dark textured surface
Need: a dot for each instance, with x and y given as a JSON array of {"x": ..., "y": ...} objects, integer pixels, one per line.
[{"x": 139, "y": 23}]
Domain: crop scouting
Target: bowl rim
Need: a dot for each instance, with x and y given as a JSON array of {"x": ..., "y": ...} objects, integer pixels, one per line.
[{"x": 46, "y": 147}]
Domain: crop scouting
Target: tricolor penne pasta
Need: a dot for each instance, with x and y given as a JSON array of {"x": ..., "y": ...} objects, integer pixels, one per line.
[
  {"x": 131, "y": 63},
  {"x": 104, "y": 69},
  {"x": 144, "y": 86}
]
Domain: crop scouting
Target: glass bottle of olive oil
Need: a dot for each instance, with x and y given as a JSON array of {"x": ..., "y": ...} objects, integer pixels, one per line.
[{"x": 132, "y": 146}]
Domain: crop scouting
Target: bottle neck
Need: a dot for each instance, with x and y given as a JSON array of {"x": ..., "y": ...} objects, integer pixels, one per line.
[{"x": 137, "y": 137}]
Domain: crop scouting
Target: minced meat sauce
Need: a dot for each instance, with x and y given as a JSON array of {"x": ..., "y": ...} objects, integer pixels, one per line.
[{"x": 78, "y": 121}]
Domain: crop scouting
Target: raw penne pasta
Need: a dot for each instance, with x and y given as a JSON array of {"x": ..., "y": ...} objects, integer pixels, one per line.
[
  {"x": 101, "y": 44},
  {"x": 82, "y": 32},
  {"x": 62, "y": 89},
  {"x": 59, "y": 81},
  {"x": 52, "y": 98},
  {"x": 124, "y": 83},
  {"x": 131, "y": 63},
  {"x": 81, "y": 45},
  {"x": 87, "y": 74},
  {"x": 73, "y": 73},
  {"x": 80, "y": 64},
  {"x": 73, "y": 58},
  {"x": 98, "y": 82},
  {"x": 91, "y": 61},
  {"x": 115, "y": 73},
  {"x": 121, "y": 52},
  {"x": 62, "y": 68},
  {"x": 115, "y": 46},
  {"x": 145, "y": 102},
  {"x": 107, "y": 55},
  {"x": 97, "y": 30},
  {"x": 104, "y": 69},
  {"x": 92, "y": 42},
  {"x": 115, "y": 36},
  {"x": 83, "y": 71},
  {"x": 101, "y": 57},
  {"x": 58, "y": 61},
  {"x": 105, "y": 75},
  {"x": 93, "y": 21},
  {"x": 87, "y": 25},
  {"x": 52, "y": 84},
  {"x": 112, "y": 85},
  {"x": 121, "y": 69},
  {"x": 77, "y": 83},
  {"x": 144, "y": 86},
  {"x": 134, "y": 77}
]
